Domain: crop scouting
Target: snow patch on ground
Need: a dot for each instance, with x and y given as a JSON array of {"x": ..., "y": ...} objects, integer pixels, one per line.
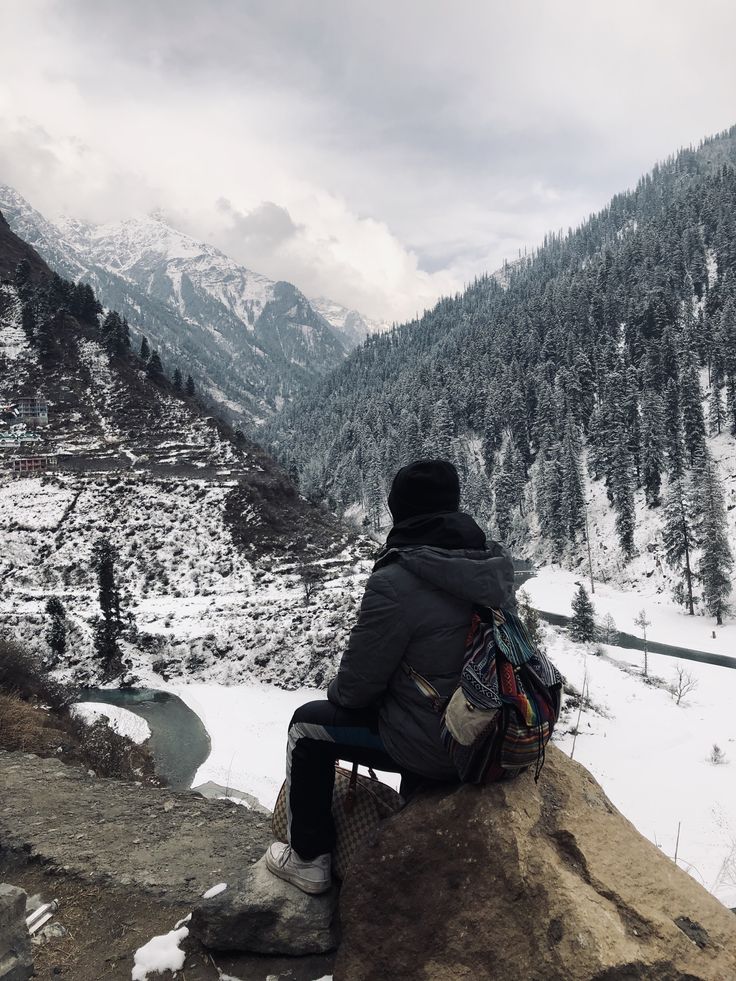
[
  {"x": 160, "y": 954},
  {"x": 121, "y": 720}
]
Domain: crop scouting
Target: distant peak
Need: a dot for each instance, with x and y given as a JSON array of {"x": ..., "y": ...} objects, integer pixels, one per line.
[{"x": 158, "y": 214}]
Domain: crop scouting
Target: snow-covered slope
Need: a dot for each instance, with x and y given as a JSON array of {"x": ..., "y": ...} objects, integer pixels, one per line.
[
  {"x": 350, "y": 323},
  {"x": 212, "y": 538},
  {"x": 249, "y": 342}
]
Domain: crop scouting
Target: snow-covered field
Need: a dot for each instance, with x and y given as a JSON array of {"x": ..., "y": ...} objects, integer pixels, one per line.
[{"x": 552, "y": 590}]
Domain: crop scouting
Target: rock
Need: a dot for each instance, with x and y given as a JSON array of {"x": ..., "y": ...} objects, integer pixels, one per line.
[
  {"x": 16, "y": 963},
  {"x": 545, "y": 882},
  {"x": 264, "y": 915}
]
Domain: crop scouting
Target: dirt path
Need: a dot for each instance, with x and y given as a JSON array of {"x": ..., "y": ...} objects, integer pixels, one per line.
[{"x": 126, "y": 862}]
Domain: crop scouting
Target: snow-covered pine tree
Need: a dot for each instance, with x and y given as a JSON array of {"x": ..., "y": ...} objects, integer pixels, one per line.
[
  {"x": 573, "y": 491},
  {"x": 674, "y": 443},
  {"x": 716, "y": 559},
  {"x": 715, "y": 410},
  {"x": 678, "y": 532},
  {"x": 652, "y": 446},
  {"x": 691, "y": 407},
  {"x": 189, "y": 386},
  {"x": 176, "y": 382},
  {"x": 622, "y": 488},
  {"x": 145, "y": 351},
  {"x": 582, "y": 622}
]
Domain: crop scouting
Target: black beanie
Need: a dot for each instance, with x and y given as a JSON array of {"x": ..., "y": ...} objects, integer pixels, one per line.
[{"x": 424, "y": 487}]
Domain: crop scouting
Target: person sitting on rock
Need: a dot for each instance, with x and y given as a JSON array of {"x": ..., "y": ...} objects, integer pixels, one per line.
[{"x": 435, "y": 567}]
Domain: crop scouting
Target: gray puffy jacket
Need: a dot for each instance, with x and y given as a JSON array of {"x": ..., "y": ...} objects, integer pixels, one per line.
[{"x": 416, "y": 610}]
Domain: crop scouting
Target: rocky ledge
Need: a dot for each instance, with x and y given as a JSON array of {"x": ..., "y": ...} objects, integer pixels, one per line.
[{"x": 540, "y": 882}]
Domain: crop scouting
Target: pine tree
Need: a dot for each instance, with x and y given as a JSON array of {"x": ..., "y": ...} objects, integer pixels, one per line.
[
  {"x": 56, "y": 633},
  {"x": 652, "y": 449},
  {"x": 674, "y": 445},
  {"x": 177, "y": 380},
  {"x": 622, "y": 489},
  {"x": 573, "y": 493},
  {"x": 104, "y": 557},
  {"x": 443, "y": 431},
  {"x": 189, "y": 386},
  {"x": 716, "y": 560},
  {"x": 145, "y": 349},
  {"x": 691, "y": 406},
  {"x": 154, "y": 368},
  {"x": 109, "y": 626},
  {"x": 716, "y": 416},
  {"x": 582, "y": 622},
  {"x": 508, "y": 488},
  {"x": 678, "y": 531}
]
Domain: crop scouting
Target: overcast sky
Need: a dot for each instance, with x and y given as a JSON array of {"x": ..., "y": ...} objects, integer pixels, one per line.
[{"x": 380, "y": 153}]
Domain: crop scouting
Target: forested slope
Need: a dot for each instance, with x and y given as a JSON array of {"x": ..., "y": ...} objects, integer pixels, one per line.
[{"x": 608, "y": 356}]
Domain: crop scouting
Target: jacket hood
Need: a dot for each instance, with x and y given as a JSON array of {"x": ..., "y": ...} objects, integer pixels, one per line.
[{"x": 481, "y": 576}]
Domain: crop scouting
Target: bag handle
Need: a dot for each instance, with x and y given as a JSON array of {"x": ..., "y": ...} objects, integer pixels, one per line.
[{"x": 349, "y": 802}]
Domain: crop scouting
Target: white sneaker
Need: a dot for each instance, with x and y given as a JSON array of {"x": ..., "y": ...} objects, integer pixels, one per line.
[{"x": 311, "y": 877}]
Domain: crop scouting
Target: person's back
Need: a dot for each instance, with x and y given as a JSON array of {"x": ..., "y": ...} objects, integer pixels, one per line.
[
  {"x": 427, "y": 593},
  {"x": 402, "y": 662}
]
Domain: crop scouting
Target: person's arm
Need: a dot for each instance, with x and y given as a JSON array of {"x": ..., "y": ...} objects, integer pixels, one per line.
[{"x": 375, "y": 649}]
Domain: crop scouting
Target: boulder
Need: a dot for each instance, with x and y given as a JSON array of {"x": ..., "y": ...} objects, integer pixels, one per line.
[
  {"x": 537, "y": 882},
  {"x": 264, "y": 915},
  {"x": 16, "y": 963}
]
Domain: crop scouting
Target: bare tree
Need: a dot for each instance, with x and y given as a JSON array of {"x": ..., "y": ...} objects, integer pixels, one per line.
[
  {"x": 312, "y": 577},
  {"x": 642, "y": 622},
  {"x": 684, "y": 684}
]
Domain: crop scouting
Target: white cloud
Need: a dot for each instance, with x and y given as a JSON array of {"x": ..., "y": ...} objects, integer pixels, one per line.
[{"x": 379, "y": 154}]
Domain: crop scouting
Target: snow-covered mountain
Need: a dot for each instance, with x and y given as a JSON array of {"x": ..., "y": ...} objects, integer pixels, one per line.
[
  {"x": 213, "y": 542},
  {"x": 249, "y": 342},
  {"x": 350, "y": 323}
]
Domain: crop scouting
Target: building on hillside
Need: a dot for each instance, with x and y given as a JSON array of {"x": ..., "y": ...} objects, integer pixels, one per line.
[
  {"x": 24, "y": 465},
  {"x": 33, "y": 409}
]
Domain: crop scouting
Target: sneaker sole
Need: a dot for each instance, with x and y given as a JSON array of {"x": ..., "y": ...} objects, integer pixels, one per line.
[{"x": 311, "y": 888}]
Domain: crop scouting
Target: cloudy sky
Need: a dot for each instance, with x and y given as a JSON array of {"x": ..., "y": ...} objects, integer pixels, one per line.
[{"x": 380, "y": 153}]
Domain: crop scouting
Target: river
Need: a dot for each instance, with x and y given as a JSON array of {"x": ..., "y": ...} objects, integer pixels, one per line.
[{"x": 179, "y": 742}]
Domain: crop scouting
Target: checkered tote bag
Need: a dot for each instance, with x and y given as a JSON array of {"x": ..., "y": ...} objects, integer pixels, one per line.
[{"x": 359, "y": 804}]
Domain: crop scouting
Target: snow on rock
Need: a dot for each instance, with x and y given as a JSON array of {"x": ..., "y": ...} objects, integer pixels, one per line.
[
  {"x": 121, "y": 720},
  {"x": 160, "y": 954}
]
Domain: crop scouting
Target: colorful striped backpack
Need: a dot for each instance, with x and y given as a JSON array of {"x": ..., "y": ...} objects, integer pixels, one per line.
[{"x": 501, "y": 716}]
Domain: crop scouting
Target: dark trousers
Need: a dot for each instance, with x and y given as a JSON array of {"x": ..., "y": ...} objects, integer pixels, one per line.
[{"x": 319, "y": 734}]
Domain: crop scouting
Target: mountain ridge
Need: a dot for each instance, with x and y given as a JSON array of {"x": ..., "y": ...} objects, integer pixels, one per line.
[
  {"x": 599, "y": 369},
  {"x": 252, "y": 343}
]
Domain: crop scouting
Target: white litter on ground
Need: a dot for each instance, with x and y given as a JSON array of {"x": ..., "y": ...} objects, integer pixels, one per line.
[
  {"x": 160, "y": 954},
  {"x": 215, "y": 890},
  {"x": 121, "y": 720}
]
